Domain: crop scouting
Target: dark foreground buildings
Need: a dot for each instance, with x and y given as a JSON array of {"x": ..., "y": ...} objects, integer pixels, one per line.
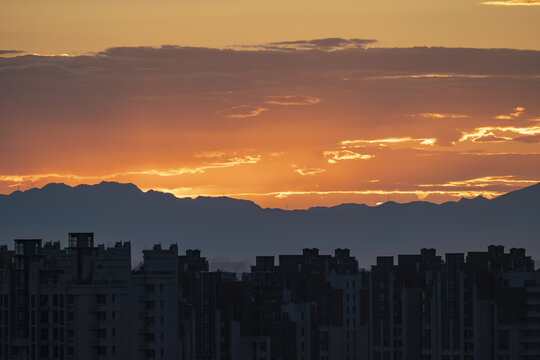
[{"x": 86, "y": 302}]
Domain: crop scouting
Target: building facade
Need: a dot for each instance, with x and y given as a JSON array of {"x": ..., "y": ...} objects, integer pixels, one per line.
[{"x": 85, "y": 301}]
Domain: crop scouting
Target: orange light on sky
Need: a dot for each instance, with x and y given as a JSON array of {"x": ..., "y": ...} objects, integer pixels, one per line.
[{"x": 364, "y": 117}]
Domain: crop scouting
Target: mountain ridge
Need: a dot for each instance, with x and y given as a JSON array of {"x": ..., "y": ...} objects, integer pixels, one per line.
[{"x": 238, "y": 229}]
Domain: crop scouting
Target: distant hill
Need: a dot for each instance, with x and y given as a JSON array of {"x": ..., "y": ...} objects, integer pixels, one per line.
[{"x": 237, "y": 230}]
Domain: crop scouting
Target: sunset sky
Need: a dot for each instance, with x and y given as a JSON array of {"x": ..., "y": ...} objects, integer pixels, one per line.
[{"x": 290, "y": 104}]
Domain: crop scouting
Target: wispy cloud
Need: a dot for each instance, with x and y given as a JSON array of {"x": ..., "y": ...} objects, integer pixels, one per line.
[
  {"x": 512, "y": 3},
  {"x": 440, "y": 116},
  {"x": 235, "y": 161},
  {"x": 428, "y": 76},
  {"x": 244, "y": 111},
  {"x": 422, "y": 141},
  {"x": 500, "y": 134},
  {"x": 309, "y": 171},
  {"x": 507, "y": 180},
  {"x": 334, "y": 156},
  {"x": 326, "y": 44},
  {"x": 518, "y": 111},
  {"x": 420, "y": 194},
  {"x": 292, "y": 100}
]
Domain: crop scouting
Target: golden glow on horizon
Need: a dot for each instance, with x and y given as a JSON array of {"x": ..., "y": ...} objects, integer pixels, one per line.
[
  {"x": 486, "y": 181},
  {"x": 420, "y": 194}
]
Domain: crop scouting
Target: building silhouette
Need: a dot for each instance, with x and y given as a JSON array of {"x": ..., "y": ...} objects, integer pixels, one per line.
[{"x": 86, "y": 302}]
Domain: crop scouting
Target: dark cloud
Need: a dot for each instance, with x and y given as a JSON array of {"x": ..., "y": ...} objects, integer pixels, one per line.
[
  {"x": 8, "y": 52},
  {"x": 528, "y": 139},
  {"x": 323, "y": 44},
  {"x": 186, "y": 89}
]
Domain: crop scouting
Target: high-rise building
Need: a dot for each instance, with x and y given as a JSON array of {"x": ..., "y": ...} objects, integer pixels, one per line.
[{"x": 86, "y": 302}]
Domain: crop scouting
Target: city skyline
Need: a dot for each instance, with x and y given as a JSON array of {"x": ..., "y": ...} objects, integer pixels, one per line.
[{"x": 85, "y": 301}]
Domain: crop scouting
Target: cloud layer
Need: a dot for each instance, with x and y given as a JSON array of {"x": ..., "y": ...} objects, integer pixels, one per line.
[{"x": 285, "y": 124}]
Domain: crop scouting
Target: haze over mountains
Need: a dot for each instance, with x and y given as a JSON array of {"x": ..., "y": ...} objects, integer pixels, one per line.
[{"x": 230, "y": 230}]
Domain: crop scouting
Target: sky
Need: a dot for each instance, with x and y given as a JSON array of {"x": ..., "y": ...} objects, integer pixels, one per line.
[{"x": 291, "y": 104}]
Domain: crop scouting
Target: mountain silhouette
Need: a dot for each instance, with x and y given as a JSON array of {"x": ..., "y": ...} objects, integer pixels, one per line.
[{"x": 226, "y": 228}]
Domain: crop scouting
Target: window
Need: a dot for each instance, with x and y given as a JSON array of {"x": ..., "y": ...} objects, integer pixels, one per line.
[
  {"x": 101, "y": 299},
  {"x": 102, "y": 350},
  {"x": 44, "y": 351}
]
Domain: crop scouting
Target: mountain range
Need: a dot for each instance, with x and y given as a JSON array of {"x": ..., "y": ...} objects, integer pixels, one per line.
[{"x": 231, "y": 232}]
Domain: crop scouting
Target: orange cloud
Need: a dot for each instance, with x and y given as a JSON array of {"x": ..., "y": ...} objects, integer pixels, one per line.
[
  {"x": 420, "y": 194},
  {"x": 518, "y": 111},
  {"x": 309, "y": 171},
  {"x": 291, "y": 100},
  {"x": 245, "y": 111},
  {"x": 499, "y": 133},
  {"x": 422, "y": 141},
  {"x": 428, "y": 76},
  {"x": 181, "y": 134},
  {"x": 337, "y": 155},
  {"x": 440, "y": 116},
  {"x": 235, "y": 161},
  {"x": 486, "y": 181}
]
